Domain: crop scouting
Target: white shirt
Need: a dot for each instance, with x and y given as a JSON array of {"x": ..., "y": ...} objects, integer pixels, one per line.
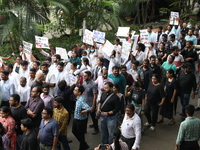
[
  {"x": 61, "y": 76},
  {"x": 24, "y": 92},
  {"x": 14, "y": 78},
  {"x": 23, "y": 73},
  {"x": 140, "y": 57},
  {"x": 176, "y": 43},
  {"x": 131, "y": 128},
  {"x": 50, "y": 78}
]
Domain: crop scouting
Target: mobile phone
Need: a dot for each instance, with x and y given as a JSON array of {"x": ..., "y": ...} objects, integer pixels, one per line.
[{"x": 102, "y": 147}]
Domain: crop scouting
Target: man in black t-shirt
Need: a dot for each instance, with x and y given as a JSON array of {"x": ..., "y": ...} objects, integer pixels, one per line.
[{"x": 18, "y": 113}]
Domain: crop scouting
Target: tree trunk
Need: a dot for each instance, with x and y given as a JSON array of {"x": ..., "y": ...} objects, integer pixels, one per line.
[{"x": 152, "y": 10}]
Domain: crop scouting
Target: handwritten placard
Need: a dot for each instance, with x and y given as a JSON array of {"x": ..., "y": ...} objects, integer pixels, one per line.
[
  {"x": 87, "y": 37},
  {"x": 144, "y": 37},
  {"x": 99, "y": 36},
  {"x": 41, "y": 42},
  {"x": 62, "y": 52},
  {"x": 123, "y": 31},
  {"x": 174, "y": 18}
]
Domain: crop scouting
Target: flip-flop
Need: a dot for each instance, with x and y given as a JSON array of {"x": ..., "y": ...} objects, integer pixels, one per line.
[
  {"x": 152, "y": 128},
  {"x": 147, "y": 124}
]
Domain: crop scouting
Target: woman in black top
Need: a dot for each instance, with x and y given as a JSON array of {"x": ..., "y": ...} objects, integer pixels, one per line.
[{"x": 155, "y": 98}]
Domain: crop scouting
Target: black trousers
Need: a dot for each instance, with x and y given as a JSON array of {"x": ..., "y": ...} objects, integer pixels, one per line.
[
  {"x": 78, "y": 129},
  {"x": 151, "y": 112},
  {"x": 129, "y": 142},
  {"x": 94, "y": 120},
  {"x": 189, "y": 145}
]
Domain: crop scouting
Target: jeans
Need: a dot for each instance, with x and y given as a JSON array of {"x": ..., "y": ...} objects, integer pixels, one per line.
[
  {"x": 185, "y": 98},
  {"x": 151, "y": 107},
  {"x": 63, "y": 140},
  {"x": 108, "y": 125}
]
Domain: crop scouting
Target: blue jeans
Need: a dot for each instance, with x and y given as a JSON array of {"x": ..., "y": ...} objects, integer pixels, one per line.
[
  {"x": 108, "y": 125},
  {"x": 63, "y": 140},
  {"x": 185, "y": 98}
]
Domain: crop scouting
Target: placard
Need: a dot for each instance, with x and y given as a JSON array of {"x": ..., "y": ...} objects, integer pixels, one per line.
[
  {"x": 174, "y": 18},
  {"x": 135, "y": 38},
  {"x": 62, "y": 52},
  {"x": 88, "y": 37},
  {"x": 41, "y": 42},
  {"x": 126, "y": 47},
  {"x": 108, "y": 48},
  {"x": 144, "y": 37},
  {"x": 123, "y": 31},
  {"x": 27, "y": 47},
  {"x": 99, "y": 36}
]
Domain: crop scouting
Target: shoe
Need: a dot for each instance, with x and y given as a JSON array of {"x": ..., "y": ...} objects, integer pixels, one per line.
[
  {"x": 95, "y": 131},
  {"x": 147, "y": 124},
  {"x": 152, "y": 128},
  {"x": 171, "y": 122},
  {"x": 197, "y": 109},
  {"x": 91, "y": 125},
  {"x": 69, "y": 140}
]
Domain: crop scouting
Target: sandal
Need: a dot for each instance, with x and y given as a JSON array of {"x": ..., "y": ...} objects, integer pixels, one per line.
[
  {"x": 171, "y": 122},
  {"x": 160, "y": 121},
  {"x": 147, "y": 124},
  {"x": 152, "y": 128}
]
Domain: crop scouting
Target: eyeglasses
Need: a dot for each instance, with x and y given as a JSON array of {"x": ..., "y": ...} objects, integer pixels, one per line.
[
  {"x": 43, "y": 113},
  {"x": 33, "y": 91}
]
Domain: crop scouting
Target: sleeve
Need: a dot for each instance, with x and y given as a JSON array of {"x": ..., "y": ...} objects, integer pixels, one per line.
[
  {"x": 85, "y": 106},
  {"x": 122, "y": 105},
  {"x": 64, "y": 123},
  {"x": 195, "y": 41},
  {"x": 175, "y": 84},
  {"x": 27, "y": 104},
  {"x": 143, "y": 94},
  {"x": 195, "y": 55},
  {"x": 137, "y": 128},
  {"x": 101, "y": 99},
  {"x": 194, "y": 85},
  {"x": 10, "y": 127},
  {"x": 53, "y": 79},
  {"x": 94, "y": 89},
  {"x": 55, "y": 128},
  {"x": 180, "y": 134},
  {"x": 123, "y": 84},
  {"x": 52, "y": 103},
  {"x": 45, "y": 53},
  {"x": 12, "y": 89},
  {"x": 23, "y": 114},
  {"x": 174, "y": 68}
]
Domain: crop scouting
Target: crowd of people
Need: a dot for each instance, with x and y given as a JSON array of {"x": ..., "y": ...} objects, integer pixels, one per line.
[{"x": 39, "y": 98}]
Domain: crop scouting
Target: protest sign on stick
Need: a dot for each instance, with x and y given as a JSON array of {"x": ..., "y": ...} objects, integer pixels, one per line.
[
  {"x": 99, "y": 36},
  {"x": 41, "y": 42},
  {"x": 88, "y": 37},
  {"x": 123, "y": 31},
  {"x": 174, "y": 18},
  {"x": 144, "y": 37},
  {"x": 27, "y": 49},
  {"x": 62, "y": 52}
]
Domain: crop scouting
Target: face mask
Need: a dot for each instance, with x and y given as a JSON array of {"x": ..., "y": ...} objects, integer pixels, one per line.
[
  {"x": 84, "y": 57},
  {"x": 92, "y": 50}
]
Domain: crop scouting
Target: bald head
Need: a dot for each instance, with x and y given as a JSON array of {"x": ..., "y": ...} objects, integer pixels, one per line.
[{"x": 39, "y": 76}]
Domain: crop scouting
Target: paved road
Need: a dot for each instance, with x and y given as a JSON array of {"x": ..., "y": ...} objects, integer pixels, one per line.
[{"x": 162, "y": 138}]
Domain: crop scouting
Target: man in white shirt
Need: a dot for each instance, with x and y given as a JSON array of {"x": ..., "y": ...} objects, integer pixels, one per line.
[
  {"x": 49, "y": 77},
  {"x": 174, "y": 42},
  {"x": 61, "y": 74},
  {"x": 131, "y": 128},
  {"x": 24, "y": 69},
  {"x": 24, "y": 91},
  {"x": 13, "y": 76}
]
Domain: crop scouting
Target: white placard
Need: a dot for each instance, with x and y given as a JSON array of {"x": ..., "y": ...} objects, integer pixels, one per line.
[
  {"x": 144, "y": 37},
  {"x": 41, "y": 42},
  {"x": 99, "y": 36},
  {"x": 108, "y": 48},
  {"x": 27, "y": 49},
  {"x": 174, "y": 18},
  {"x": 87, "y": 37},
  {"x": 126, "y": 47},
  {"x": 123, "y": 31},
  {"x": 62, "y": 52},
  {"x": 135, "y": 38}
]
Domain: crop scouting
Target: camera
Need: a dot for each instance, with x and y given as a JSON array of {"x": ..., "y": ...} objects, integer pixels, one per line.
[{"x": 102, "y": 147}]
